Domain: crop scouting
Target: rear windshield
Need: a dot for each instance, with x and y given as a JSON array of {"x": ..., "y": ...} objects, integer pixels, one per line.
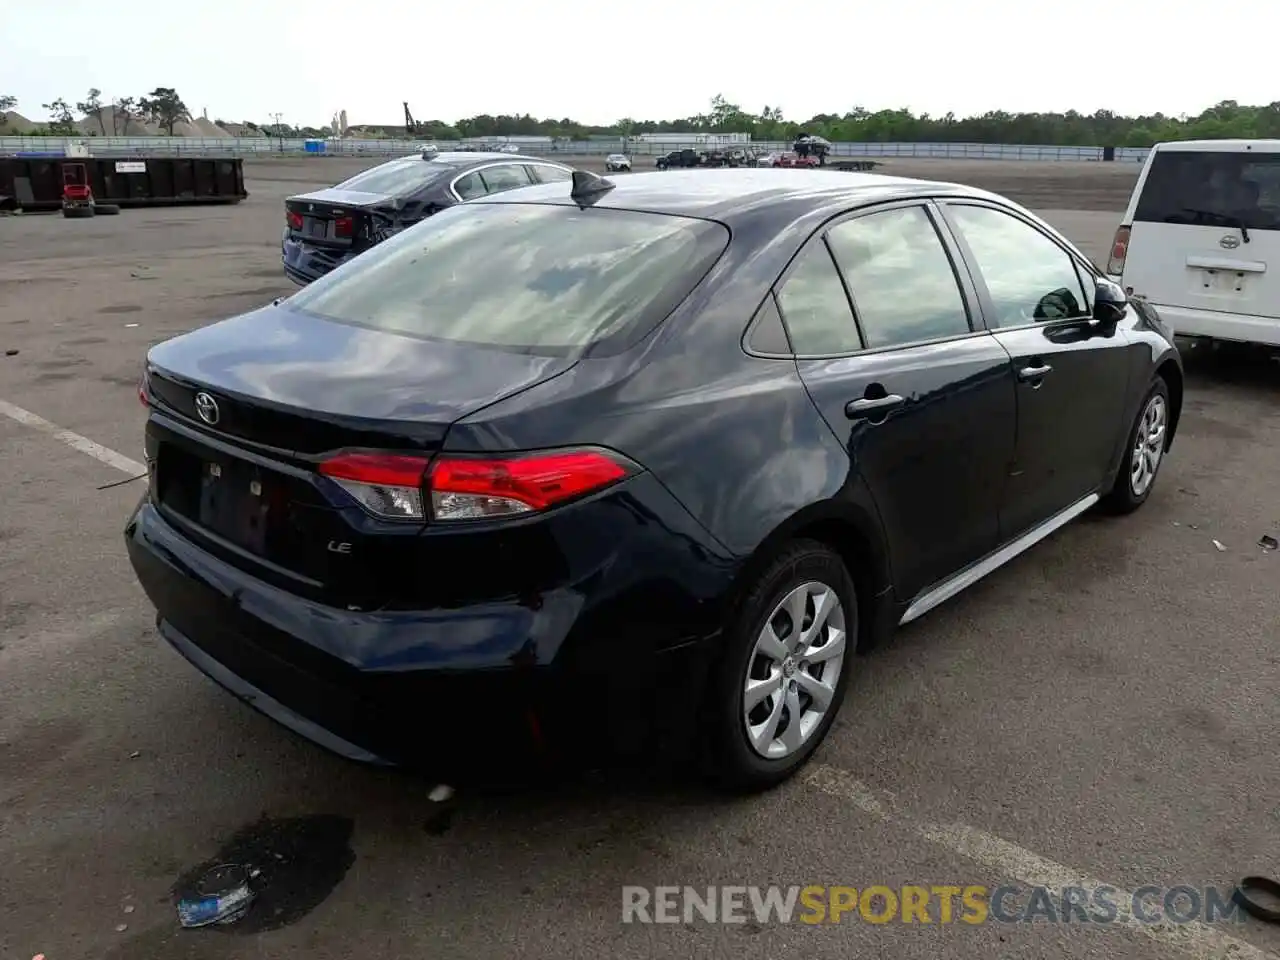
[
  {"x": 1212, "y": 189},
  {"x": 396, "y": 178},
  {"x": 534, "y": 278}
]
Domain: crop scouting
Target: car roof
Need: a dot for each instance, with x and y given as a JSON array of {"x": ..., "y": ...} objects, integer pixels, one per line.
[
  {"x": 455, "y": 158},
  {"x": 1222, "y": 146},
  {"x": 725, "y": 194}
]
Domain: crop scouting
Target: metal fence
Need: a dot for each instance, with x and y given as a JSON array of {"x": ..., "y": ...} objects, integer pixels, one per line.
[{"x": 263, "y": 146}]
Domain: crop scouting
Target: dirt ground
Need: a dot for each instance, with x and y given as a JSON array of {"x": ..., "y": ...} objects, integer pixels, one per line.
[{"x": 1101, "y": 711}]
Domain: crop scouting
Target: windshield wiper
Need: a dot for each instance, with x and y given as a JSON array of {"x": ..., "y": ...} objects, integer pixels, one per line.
[{"x": 1227, "y": 220}]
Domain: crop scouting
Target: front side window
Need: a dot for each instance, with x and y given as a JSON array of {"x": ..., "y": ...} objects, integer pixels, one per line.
[
  {"x": 544, "y": 279},
  {"x": 1030, "y": 278},
  {"x": 815, "y": 307},
  {"x": 904, "y": 288}
]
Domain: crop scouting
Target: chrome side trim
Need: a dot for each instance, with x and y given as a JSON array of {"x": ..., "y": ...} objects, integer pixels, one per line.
[{"x": 946, "y": 589}]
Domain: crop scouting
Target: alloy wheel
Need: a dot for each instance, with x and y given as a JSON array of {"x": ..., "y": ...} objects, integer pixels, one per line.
[
  {"x": 793, "y": 670},
  {"x": 1148, "y": 445}
]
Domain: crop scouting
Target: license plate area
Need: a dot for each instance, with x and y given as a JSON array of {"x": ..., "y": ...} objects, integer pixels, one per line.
[
  {"x": 1222, "y": 283},
  {"x": 231, "y": 498},
  {"x": 316, "y": 228}
]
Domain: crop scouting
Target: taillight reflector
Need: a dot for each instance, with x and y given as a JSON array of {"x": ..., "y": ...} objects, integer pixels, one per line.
[
  {"x": 293, "y": 219},
  {"x": 1119, "y": 250},
  {"x": 142, "y": 389},
  {"x": 472, "y": 488},
  {"x": 343, "y": 227}
]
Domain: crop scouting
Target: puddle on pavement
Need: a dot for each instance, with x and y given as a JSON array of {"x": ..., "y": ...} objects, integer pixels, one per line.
[{"x": 300, "y": 862}]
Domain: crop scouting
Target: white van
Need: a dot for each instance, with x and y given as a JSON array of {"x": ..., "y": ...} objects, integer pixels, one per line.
[{"x": 1201, "y": 239}]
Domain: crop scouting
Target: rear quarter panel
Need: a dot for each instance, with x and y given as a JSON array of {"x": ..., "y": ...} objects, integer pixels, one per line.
[{"x": 735, "y": 438}]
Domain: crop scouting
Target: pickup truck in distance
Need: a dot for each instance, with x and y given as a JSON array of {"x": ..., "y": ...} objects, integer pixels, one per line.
[{"x": 680, "y": 158}]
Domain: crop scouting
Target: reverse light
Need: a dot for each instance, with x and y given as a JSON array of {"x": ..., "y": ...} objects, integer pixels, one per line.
[
  {"x": 1119, "y": 250},
  {"x": 395, "y": 486},
  {"x": 387, "y": 485},
  {"x": 294, "y": 220}
]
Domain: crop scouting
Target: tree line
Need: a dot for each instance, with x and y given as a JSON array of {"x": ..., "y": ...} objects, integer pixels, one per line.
[
  {"x": 1227, "y": 119},
  {"x": 162, "y": 107}
]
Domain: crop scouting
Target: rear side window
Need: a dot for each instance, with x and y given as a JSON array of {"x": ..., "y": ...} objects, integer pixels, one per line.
[
  {"x": 534, "y": 278},
  {"x": 542, "y": 173},
  {"x": 397, "y": 177},
  {"x": 903, "y": 286},
  {"x": 509, "y": 176},
  {"x": 1212, "y": 189},
  {"x": 815, "y": 307}
]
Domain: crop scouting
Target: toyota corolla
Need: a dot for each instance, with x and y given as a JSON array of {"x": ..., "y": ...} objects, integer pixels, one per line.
[{"x": 635, "y": 463}]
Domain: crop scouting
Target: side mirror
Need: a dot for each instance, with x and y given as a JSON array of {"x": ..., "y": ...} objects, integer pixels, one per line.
[{"x": 1109, "y": 302}]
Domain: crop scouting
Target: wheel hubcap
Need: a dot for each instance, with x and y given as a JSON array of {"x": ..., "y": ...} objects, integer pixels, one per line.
[
  {"x": 1148, "y": 445},
  {"x": 793, "y": 670}
]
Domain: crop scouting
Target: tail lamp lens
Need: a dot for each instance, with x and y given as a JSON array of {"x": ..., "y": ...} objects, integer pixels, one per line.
[
  {"x": 393, "y": 486},
  {"x": 343, "y": 227},
  {"x": 293, "y": 219},
  {"x": 1119, "y": 250}
]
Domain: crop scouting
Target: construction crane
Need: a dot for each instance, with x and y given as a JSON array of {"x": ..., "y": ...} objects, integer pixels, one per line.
[{"x": 410, "y": 125}]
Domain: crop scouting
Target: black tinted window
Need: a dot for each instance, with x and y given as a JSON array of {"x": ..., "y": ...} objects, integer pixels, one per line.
[
  {"x": 538, "y": 279},
  {"x": 1030, "y": 278},
  {"x": 903, "y": 286},
  {"x": 506, "y": 177},
  {"x": 396, "y": 178},
  {"x": 815, "y": 306},
  {"x": 1212, "y": 189}
]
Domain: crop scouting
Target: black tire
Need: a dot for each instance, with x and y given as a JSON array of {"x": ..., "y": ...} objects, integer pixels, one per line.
[
  {"x": 730, "y": 761},
  {"x": 1122, "y": 498},
  {"x": 107, "y": 209},
  {"x": 77, "y": 213}
]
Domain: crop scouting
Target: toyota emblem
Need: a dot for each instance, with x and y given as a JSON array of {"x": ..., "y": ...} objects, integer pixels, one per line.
[
  {"x": 1229, "y": 242},
  {"x": 207, "y": 408}
]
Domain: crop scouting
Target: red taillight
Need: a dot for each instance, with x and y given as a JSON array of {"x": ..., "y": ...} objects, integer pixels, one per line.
[
  {"x": 142, "y": 390},
  {"x": 472, "y": 488},
  {"x": 343, "y": 227},
  {"x": 1119, "y": 250},
  {"x": 293, "y": 219},
  {"x": 465, "y": 488}
]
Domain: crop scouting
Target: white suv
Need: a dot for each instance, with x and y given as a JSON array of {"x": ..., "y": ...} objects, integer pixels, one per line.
[
  {"x": 1201, "y": 239},
  {"x": 617, "y": 162}
]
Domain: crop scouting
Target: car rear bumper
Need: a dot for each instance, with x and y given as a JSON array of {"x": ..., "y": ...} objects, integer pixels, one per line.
[
  {"x": 351, "y": 681},
  {"x": 304, "y": 263},
  {"x": 1245, "y": 328}
]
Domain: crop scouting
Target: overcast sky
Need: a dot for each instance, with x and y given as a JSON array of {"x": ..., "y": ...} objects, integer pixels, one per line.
[{"x": 650, "y": 59}]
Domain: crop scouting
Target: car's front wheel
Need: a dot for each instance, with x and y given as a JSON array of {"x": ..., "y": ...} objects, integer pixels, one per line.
[
  {"x": 778, "y": 686},
  {"x": 1144, "y": 452}
]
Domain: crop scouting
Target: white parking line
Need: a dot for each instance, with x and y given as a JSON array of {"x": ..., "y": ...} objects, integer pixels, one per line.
[
  {"x": 1195, "y": 939},
  {"x": 73, "y": 440}
]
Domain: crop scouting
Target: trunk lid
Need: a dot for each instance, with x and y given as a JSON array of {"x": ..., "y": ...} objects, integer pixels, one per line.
[
  {"x": 338, "y": 219},
  {"x": 288, "y": 388}
]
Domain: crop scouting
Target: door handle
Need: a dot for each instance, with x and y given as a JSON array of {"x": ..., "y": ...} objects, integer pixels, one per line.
[
  {"x": 1034, "y": 373},
  {"x": 868, "y": 406}
]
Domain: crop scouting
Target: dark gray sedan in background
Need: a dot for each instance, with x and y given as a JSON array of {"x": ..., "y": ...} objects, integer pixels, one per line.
[{"x": 328, "y": 227}]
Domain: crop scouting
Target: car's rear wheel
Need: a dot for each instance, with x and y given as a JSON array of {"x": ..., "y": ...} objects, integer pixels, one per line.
[
  {"x": 1144, "y": 452},
  {"x": 777, "y": 688}
]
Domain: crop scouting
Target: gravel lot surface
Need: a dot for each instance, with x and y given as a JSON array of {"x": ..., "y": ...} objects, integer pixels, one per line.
[{"x": 1104, "y": 707}]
